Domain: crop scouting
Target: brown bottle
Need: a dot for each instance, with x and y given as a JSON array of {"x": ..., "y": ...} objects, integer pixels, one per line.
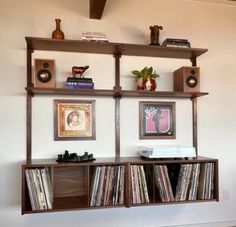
[{"x": 58, "y": 33}]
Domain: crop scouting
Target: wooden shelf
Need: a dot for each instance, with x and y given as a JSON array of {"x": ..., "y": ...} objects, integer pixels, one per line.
[
  {"x": 72, "y": 186},
  {"x": 74, "y": 183},
  {"x": 174, "y": 202},
  {"x": 65, "y": 91},
  {"x": 116, "y": 161},
  {"x": 162, "y": 94},
  {"x": 112, "y": 93},
  {"x": 34, "y": 43}
]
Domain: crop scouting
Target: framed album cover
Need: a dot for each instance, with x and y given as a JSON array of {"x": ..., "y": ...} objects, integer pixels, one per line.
[
  {"x": 157, "y": 120},
  {"x": 74, "y": 120}
]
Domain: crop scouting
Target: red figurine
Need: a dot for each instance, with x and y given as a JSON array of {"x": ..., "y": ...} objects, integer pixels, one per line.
[{"x": 79, "y": 70}]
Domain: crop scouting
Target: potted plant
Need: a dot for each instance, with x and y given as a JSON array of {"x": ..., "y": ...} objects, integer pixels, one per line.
[{"x": 146, "y": 79}]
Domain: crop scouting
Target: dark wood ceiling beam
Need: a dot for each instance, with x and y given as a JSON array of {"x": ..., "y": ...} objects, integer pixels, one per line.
[{"x": 96, "y": 8}]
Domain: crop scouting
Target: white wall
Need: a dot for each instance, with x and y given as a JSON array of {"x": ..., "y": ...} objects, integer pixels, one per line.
[{"x": 206, "y": 25}]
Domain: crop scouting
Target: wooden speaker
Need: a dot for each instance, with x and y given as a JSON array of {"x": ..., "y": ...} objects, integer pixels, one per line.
[
  {"x": 44, "y": 73},
  {"x": 187, "y": 79}
]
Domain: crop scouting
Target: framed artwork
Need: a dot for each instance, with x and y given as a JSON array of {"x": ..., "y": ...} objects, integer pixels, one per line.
[
  {"x": 74, "y": 120},
  {"x": 157, "y": 120}
]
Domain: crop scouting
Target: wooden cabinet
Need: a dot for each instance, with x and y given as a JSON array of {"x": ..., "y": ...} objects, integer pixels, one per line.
[{"x": 72, "y": 185}]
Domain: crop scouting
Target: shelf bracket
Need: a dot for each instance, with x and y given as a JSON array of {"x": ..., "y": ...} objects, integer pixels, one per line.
[
  {"x": 117, "y": 92},
  {"x": 29, "y": 66},
  {"x": 30, "y": 93},
  {"x": 194, "y": 62}
]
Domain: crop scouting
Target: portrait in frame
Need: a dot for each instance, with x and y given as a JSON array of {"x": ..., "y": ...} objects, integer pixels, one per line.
[
  {"x": 74, "y": 120},
  {"x": 157, "y": 120}
]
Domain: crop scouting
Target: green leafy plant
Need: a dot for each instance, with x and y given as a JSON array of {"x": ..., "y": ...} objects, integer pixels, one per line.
[{"x": 145, "y": 73}]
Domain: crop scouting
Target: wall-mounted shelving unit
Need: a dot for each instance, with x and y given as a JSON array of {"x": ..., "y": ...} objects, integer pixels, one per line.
[{"x": 65, "y": 193}]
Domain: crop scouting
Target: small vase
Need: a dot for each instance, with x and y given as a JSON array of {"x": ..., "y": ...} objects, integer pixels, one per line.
[
  {"x": 146, "y": 84},
  {"x": 140, "y": 84},
  {"x": 58, "y": 33}
]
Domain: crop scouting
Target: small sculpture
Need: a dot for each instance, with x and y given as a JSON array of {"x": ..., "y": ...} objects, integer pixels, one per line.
[
  {"x": 73, "y": 157},
  {"x": 79, "y": 70},
  {"x": 154, "y": 35}
]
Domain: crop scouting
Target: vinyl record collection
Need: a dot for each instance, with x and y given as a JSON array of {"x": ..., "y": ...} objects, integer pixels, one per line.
[
  {"x": 195, "y": 181},
  {"x": 139, "y": 191},
  {"x": 40, "y": 188},
  {"x": 107, "y": 186}
]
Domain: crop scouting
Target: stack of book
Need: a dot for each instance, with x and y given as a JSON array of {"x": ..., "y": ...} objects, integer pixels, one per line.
[
  {"x": 39, "y": 188},
  {"x": 94, "y": 36},
  {"x": 79, "y": 82},
  {"x": 107, "y": 186},
  {"x": 170, "y": 42},
  {"x": 139, "y": 191}
]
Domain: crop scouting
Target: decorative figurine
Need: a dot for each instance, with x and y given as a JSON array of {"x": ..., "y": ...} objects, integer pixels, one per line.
[
  {"x": 58, "y": 33},
  {"x": 73, "y": 157},
  {"x": 154, "y": 35},
  {"x": 79, "y": 70}
]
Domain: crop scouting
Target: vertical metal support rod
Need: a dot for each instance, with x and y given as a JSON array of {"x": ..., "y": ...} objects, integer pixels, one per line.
[
  {"x": 29, "y": 107},
  {"x": 28, "y": 127},
  {"x": 117, "y": 57},
  {"x": 117, "y": 126},
  {"x": 117, "y": 97},
  {"x": 194, "y": 112}
]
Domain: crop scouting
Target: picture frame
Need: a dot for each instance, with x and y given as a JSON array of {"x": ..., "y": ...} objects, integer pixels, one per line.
[
  {"x": 74, "y": 120},
  {"x": 157, "y": 120}
]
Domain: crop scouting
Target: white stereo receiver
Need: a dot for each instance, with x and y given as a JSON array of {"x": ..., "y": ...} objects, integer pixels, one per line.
[{"x": 168, "y": 152}]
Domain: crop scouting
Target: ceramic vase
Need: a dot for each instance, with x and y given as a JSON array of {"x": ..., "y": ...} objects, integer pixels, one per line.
[
  {"x": 148, "y": 84},
  {"x": 58, "y": 33}
]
